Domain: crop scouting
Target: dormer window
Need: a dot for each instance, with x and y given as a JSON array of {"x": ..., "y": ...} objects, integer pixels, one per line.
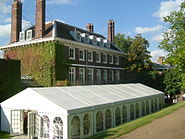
[
  {"x": 93, "y": 39},
  {"x": 22, "y": 36},
  {"x": 29, "y": 35},
  {"x": 106, "y": 43},
  {"x": 85, "y": 37},
  {"x": 76, "y": 35},
  {"x": 100, "y": 41}
]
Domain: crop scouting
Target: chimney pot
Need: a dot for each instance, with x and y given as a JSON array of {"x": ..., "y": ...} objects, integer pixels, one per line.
[{"x": 90, "y": 27}]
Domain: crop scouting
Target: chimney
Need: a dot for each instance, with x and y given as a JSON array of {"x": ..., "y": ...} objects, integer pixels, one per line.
[
  {"x": 161, "y": 59},
  {"x": 16, "y": 21},
  {"x": 90, "y": 27},
  {"x": 111, "y": 31},
  {"x": 40, "y": 19}
]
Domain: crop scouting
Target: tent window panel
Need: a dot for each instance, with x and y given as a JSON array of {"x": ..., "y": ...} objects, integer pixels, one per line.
[
  {"x": 118, "y": 116},
  {"x": 86, "y": 124},
  {"x": 132, "y": 112},
  {"x": 58, "y": 128},
  {"x": 147, "y": 107},
  {"x": 137, "y": 110},
  {"x": 152, "y": 106},
  {"x": 45, "y": 126},
  {"x": 124, "y": 114},
  {"x": 75, "y": 128},
  {"x": 108, "y": 119},
  {"x": 99, "y": 121},
  {"x": 143, "y": 109}
]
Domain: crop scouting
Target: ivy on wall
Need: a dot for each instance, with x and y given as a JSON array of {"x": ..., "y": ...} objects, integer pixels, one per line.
[{"x": 10, "y": 83}]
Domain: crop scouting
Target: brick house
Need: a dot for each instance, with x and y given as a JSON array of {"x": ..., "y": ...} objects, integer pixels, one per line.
[{"x": 54, "y": 52}]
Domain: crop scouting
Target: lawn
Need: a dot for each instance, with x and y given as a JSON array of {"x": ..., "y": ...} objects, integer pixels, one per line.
[
  {"x": 128, "y": 127},
  {"x": 4, "y": 135}
]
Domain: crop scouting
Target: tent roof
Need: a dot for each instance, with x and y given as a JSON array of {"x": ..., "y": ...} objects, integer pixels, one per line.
[{"x": 77, "y": 97}]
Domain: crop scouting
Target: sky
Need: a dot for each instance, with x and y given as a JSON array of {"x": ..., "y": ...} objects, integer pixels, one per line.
[{"x": 131, "y": 17}]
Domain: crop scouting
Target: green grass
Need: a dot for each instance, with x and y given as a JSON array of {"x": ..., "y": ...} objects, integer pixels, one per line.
[
  {"x": 130, "y": 126},
  {"x": 4, "y": 135}
]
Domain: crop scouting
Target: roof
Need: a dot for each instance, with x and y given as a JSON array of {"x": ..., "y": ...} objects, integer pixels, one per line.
[
  {"x": 159, "y": 66},
  {"x": 78, "y": 97}
]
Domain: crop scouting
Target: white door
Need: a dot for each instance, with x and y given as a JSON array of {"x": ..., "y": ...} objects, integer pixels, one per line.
[
  {"x": 34, "y": 125},
  {"x": 16, "y": 127}
]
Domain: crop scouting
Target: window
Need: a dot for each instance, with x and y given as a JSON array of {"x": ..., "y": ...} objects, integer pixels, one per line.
[
  {"x": 58, "y": 128},
  {"x": 118, "y": 116},
  {"x": 78, "y": 36},
  {"x": 124, "y": 114},
  {"x": 104, "y": 58},
  {"x": 90, "y": 56},
  {"x": 81, "y": 55},
  {"x": 99, "y": 121},
  {"x": 89, "y": 76},
  {"x": 85, "y": 37},
  {"x": 93, "y": 39},
  {"x": 22, "y": 36},
  {"x": 98, "y": 57},
  {"x": 86, "y": 124},
  {"x": 72, "y": 74},
  {"x": 147, "y": 107},
  {"x": 117, "y": 60},
  {"x": 98, "y": 76},
  {"x": 75, "y": 128},
  {"x": 82, "y": 75},
  {"x": 45, "y": 126},
  {"x": 105, "y": 76},
  {"x": 132, "y": 115},
  {"x": 71, "y": 53},
  {"x": 137, "y": 110},
  {"x": 110, "y": 59},
  {"x": 106, "y": 43},
  {"x": 29, "y": 35},
  {"x": 108, "y": 119},
  {"x": 143, "y": 109},
  {"x": 111, "y": 75},
  {"x": 117, "y": 75},
  {"x": 156, "y": 108},
  {"x": 100, "y": 41},
  {"x": 152, "y": 106}
]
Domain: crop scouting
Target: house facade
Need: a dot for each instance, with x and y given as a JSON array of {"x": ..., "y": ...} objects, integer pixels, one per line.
[{"x": 55, "y": 52}]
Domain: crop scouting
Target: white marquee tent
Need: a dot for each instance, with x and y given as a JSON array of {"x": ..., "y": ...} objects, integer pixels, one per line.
[{"x": 78, "y": 111}]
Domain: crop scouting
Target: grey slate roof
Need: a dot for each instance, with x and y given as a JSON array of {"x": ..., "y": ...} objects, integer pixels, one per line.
[{"x": 78, "y": 97}]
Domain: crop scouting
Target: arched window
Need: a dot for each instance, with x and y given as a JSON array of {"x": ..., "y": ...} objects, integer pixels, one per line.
[
  {"x": 108, "y": 119},
  {"x": 152, "y": 106},
  {"x": 147, "y": 107},
  {"x": 156, "y": 108},
  {"x": 45, "y": 126},
  {"x": 75, "y": 128},
  {"x": 137, "y": 110},
  {"x": 124, "y": 114},
  {"x": 99, "y": 121},
  {"x": 58, "y": 128},
  {"x": 118, "y": 116},
  {"x": 86, "y": 124},
  {"x": 143, "y": 109},
  {"x": 131, "y": 112}
]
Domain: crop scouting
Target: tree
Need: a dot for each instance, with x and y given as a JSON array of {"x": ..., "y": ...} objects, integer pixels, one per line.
[
  {"x": 139, "y": 56},
  {"x": 123, "y": 42}
]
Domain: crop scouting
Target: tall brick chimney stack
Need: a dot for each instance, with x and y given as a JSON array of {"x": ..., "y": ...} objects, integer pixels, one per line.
[
  {"x": 40, "y": 18},
  {"x": 16, "y": 23},
  {"x": 111, "y": 31},
  {"x": 90, "y": 27}
]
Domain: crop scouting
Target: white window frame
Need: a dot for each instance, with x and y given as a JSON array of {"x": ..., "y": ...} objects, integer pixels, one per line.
[
  {"x": 74, "y": 72},
  {"x": 27, "y": 35},
  {"x": 105, "y": 62},
  {"x": 82, "y": 73},
  {"x": 78, "y": 34},
  {"x": 112, "y": 59},
  {"x": 98, "y": 76},
  {"x": 112, "y": 74},
  {"x": 82, "y": 59},
  {"x": 90, "y": 60},
  {"x": 70, "y": 48},
  {"x": 98, "y": 61},
  {"x": 105, "y": 77},
  {"x": 117, "y": 72},
  {"x": 22, "y": 36},
  {"x": 92, "y": 74},
  {"x": 117, "y": 62}
]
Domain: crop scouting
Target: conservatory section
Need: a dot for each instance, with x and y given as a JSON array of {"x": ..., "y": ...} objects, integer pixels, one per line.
[{"x": 82, "y": 125}]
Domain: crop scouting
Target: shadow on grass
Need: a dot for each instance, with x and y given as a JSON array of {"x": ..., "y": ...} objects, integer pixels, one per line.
[{"x": 4, "y": 135}]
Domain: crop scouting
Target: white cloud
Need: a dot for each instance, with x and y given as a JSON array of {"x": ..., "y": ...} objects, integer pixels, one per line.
[
  {"x": 158, "y": 37},
  {"x": 166, "y": 7},
  {"x": 5, "y": 30},
  {"x": 5, "y": 10},
  {"x": 157, "y": 53},
  {"x": 148, "y": 29},
  {"x": 60, "y": 1}
]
